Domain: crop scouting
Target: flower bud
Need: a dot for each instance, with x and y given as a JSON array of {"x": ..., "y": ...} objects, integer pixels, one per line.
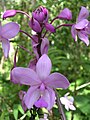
[
  {"x": 40, "y": 14},
  {"x": 50, "y": 27},
  {"x": 9, "y": 13},
  {"x": 34, "y": 24},
  {"x": 44, "y": 46},
  {"x": 65, "y": 14}
]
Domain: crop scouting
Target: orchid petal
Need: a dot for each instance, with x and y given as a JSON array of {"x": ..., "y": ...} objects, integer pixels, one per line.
[
  {"x": 84, "y": 13},
  {"x": 67, "y": 107},
  {"x": 41, "y": 103},
  {"x": 74, "y": 32},
  {"x": 65, "y": 14},
  {"x": 32, "y": 64},
  {"x": 24, "y": 76},
  {"x": 71, "y": 99},
  {"x": 31, "y": 96},
  {"x": 63, "y": 100},
  {"x": 50, "y": 27},
  {"x": 44, "y": 46},
  {"x": 34, "y": 45},
  {"x": 87, "y": 29},
  {"x": 21, "y": 96},
  {"x": 82, "y": 24},
  {"x": 6, "y": 47},
  {"x": 84, "y": 37},
  {"x": 10, "y": 30},
  {"x": 72, "y": 107},
  {"x": 34, "y": 24},
  {"x": 49, "y": 97},
  {"x": 24, "y": 106},
  {"x": 57, "y": 80},
  {"x": 43, "y": 67}
]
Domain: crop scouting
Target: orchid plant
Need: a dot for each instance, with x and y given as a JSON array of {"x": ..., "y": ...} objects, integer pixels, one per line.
[{"x": 42, "y": 84}]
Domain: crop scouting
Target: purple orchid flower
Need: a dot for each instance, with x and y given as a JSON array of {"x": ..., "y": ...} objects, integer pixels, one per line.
[
  {"x": 41, "y": 93},
  {"x": 7, "y": 32},
  {"x": 40, "y": 14},
  {"x": 80, "y": 27},
  {"x": 65, "y": 14}
]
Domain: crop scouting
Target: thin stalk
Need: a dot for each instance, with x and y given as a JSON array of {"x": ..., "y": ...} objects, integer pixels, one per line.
[
  {"x": 25, "y": 49},
  {"x": 27, "y": 35},
  {"x": 66, "y": 25},
  {"x": 53, "y": 19},
  {"x": 60, "y": 108},
  {"x": 22, "y": 12},
  {"x": 15, "y": 58}
]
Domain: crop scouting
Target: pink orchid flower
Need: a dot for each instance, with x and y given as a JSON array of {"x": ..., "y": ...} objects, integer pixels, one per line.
[
  {"x": 80, "y": 27},
  {"x": 41, "y": 82},
  {"x": 7, "y": 32}
]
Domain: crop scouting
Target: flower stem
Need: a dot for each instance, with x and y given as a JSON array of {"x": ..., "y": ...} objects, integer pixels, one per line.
[
  {"x": 53, "y": 20},
  {"x": 25, "y": 49},
  {"x": 22, "y": 12},
  {"x": 27, "y": 35},
  {"x": 66, "y": 25},
  {"x": 60, "y": 106}
]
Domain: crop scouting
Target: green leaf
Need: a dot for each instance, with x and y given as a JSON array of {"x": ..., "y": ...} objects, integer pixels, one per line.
[
  {"x": 15, "y": 112},
  {"x": 2, "y": 115},
  {"x": 20, "y": 109},
  {"x": 28, "y": 113},
  {"x": 82, "y": 102}
]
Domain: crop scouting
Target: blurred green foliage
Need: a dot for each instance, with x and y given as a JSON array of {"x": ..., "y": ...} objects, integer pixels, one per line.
[{"x": 69, "y": 58}]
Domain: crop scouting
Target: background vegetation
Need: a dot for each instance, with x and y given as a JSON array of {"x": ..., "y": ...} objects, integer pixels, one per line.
[{"x": 69, "y": 58}]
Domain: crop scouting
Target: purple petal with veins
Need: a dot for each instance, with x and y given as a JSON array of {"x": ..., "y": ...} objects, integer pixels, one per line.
[
  {"x": 84, "y": 14},
  {"x": 41, "y": 103},
  {"x": 82, "y": 24},
  {"x": 6, "y": 47},
  {"x": 84, "y": 37},
  {"x": 10, "y": 30}
]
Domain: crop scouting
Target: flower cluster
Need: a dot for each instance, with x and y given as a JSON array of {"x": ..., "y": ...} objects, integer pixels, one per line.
[{"x": 37, "y": 75}]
